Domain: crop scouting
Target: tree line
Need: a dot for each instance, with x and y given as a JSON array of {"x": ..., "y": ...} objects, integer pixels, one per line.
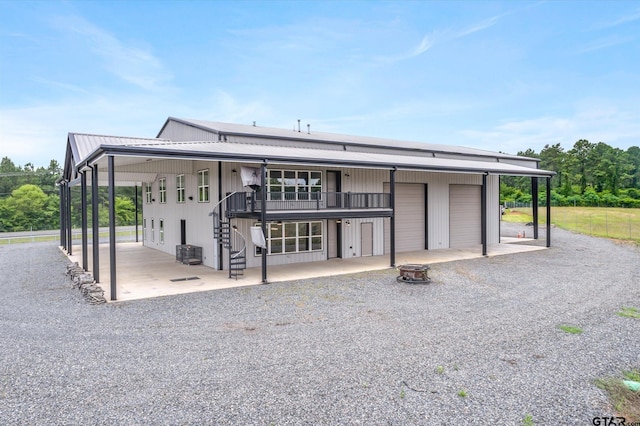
[
  {"x": 30, "y": 200},
  {"x": 588, "y": 174}
]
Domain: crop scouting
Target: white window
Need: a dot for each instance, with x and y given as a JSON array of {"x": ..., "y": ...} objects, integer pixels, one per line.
[
  {"x": 163, "y": 190},
  {"x": 161, "y": 230},
  {"x": 180, "y": 188},
  {"x": 203, "y": 186},
  {"x": 144, "y": 229},
  {"x": 147, "y": 193},
  {"x": 153, "y": 229},
  {"x": 293, "y": 237},
  {"x": 294, "y": 185}
]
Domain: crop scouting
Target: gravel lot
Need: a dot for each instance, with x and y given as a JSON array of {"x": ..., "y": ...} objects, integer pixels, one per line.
[{"x": 356, "y": 349}]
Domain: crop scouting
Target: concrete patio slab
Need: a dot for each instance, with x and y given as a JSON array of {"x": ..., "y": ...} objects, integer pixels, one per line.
[{"x": 145, "y": 273}]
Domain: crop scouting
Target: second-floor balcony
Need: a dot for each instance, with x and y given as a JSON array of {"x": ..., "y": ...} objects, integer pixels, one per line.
[{"x": 341, "y": 204}]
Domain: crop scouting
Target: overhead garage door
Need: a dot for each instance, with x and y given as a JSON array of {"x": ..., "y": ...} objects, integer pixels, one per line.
[
  {"x": 464, "y": 216},
  {"x": 410, "y": 218}
]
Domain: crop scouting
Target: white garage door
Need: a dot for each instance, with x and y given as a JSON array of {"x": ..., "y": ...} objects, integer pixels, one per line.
[
  {"x": 410, "y": 218},
  {"x": 464, "y": 216}
]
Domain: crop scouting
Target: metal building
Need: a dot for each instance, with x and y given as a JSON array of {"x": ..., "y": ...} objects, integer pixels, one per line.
[{"x": 250, "y": 196}]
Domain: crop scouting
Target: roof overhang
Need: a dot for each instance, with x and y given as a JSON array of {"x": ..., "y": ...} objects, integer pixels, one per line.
[{"x": 277, "y": 155}]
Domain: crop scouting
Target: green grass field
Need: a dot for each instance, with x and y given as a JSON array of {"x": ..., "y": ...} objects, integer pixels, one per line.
[
  {"x": 56, "y": 237},
  {"x": 610, "y": 222}
]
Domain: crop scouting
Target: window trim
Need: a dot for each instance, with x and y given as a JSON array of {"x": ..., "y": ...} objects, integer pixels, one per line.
[
  {"x": 298, "y": 238},
  {"x": 281, "y": 188},
  {"x": 203, "y": 188},
  {"x": 180, "y": 189},
  {"x": 161, "y": 230},
  {"x": 162, "y": 182},
  {"x": 148, "y": 192}
]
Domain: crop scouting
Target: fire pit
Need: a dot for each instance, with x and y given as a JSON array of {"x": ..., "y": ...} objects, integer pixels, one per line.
[{"x": 413, "y": 273}]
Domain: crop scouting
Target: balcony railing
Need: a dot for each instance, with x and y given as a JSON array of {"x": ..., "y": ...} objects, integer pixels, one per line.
[{"x": 250, "y": 202}]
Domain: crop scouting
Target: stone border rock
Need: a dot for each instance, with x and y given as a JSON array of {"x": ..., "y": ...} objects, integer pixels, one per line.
[{"x": 84, "y": 281}]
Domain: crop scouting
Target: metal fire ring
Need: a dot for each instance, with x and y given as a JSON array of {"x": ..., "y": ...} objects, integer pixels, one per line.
[{"x": 413, "y": 274}]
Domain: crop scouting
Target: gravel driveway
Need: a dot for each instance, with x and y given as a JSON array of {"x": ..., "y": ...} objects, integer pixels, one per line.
[{"x": 479, "y": 345}]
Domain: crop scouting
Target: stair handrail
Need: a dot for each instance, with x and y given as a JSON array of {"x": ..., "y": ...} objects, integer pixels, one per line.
[
  {"x": 220, "y": 202},
  {"x": 244, "y": 243}
]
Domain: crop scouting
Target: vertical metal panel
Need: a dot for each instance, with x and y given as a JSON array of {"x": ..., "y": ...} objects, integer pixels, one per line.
[{"x": 493, "y": 209}]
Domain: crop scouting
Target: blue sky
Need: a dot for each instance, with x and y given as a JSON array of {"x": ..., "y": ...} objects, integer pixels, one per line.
[{"x": 503, "y": 76}]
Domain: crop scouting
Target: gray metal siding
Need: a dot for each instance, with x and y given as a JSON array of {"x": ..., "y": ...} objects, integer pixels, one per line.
[
  {"x": 181, "y": 132},
  {"x": 199, "y": 224}
]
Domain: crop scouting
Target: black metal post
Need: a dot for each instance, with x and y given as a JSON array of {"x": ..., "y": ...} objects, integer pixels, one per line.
[
  {"x": 95, "y": 224},
  {"x": 135, "y": 187},
  {"x": 69, "y": 222},
  {"x": 534, "y": 202},
  {"x": 548, "y": 211},
  {"x": 63, "y": 222},
  {"x": 112, "y": 226},
  {"x": 263, "y": 216},
  {"x": 83, "y": 207},
  {"x": 220, "y": 248},
  {"x": 483, "y": 213},
  {"x": 392, "y": 221}
]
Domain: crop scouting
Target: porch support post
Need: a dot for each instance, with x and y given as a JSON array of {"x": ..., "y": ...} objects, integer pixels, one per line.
[
  {"x": 83, "y": 207},
  {"x": 95, "y": 224},
  {"x": 135, "y": 187},
  {"x": 112, "y": 226},
  {"x": 483, "y": 213},
  {"x": 263, "y": 216},
  {"x": 220, "y": 247},
  {"x": 534, "y": 202},
  {"x": 548, "y": 211},
  {"x": 392, "y": 222},
  {"x": 69, "y": 223},
  {"x": 63, "y": 221}
]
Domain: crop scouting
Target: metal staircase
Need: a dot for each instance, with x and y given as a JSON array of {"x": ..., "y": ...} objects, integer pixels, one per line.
[{"x": 231, "y": 239}]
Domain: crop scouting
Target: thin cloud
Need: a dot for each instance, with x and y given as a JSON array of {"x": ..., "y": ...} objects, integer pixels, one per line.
[
  {"x": 439, "y": 37},
  {"x": 487, "y": 23},
  {"x": 633, "y": 16},
  {"x": 607, "y": 42},
  {"x": 132, "y": 64}
]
